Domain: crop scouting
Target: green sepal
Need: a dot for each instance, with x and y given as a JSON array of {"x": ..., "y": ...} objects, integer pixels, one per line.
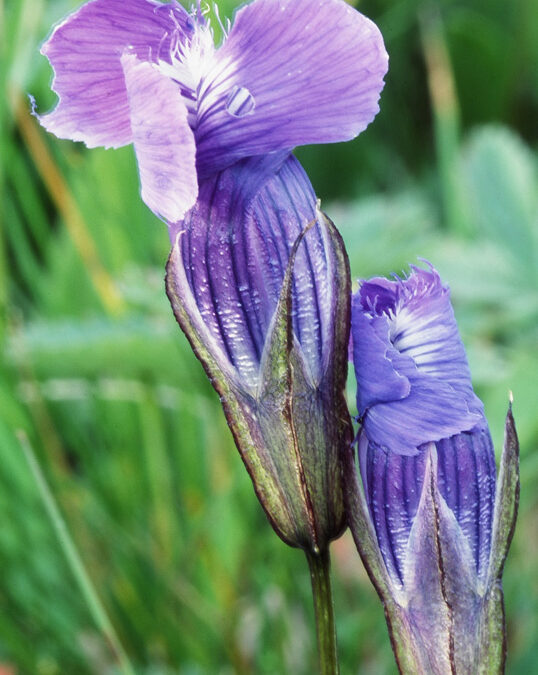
[
  {"x": 493, "y": 629},
  {"x": 506, "y": 499}
]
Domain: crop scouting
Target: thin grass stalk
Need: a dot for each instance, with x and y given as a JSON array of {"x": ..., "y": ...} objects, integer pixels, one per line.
[{"x": 74, "y": 561}]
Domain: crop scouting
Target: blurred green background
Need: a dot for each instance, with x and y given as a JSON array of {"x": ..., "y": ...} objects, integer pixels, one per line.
[{"x": 128, "y": 433}]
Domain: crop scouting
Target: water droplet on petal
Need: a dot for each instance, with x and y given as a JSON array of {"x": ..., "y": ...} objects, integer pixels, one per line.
[{"x": 240, "y": 102}]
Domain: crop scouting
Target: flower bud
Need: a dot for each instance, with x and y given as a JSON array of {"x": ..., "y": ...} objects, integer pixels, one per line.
[{"x": 427, "y": 518}]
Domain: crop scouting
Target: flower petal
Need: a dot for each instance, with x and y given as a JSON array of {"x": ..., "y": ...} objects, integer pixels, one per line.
[
  {"x": 466, "y": 467},
  {"x": 163, "y": 140},
  {"x": 405, "y": 335},
  {"x": 236, "y": 247},
  {"x": 291, "y": 72},
  {"x": 370, "y": 356},
  {"x": 422, "y": 326},
  {"x": 432, "y": 410},
  {"x": 85, "y": 51},
  {"x": 393, "y": 486}
]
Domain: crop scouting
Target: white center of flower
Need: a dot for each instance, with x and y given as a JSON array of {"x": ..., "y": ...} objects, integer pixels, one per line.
[
  {"x": 419, "y": 335},
  {"x": 206, "y": 81},
  {"x": 190, "y": 62}
]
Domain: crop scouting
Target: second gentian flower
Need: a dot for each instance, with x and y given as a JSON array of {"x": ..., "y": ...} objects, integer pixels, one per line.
[{"x": 430, "y": 525}]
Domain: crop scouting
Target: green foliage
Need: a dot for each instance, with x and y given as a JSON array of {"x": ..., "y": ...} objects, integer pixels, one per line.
[{"x": 127, "y": 430}]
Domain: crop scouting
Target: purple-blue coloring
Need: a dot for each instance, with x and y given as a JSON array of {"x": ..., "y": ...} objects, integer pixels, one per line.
[
  {"x": 415, "y": 396},
  {"x": 288, "y": 73}
]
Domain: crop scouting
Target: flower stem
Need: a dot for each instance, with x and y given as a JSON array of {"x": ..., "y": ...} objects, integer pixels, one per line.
[{"x": 320, "y": 565}]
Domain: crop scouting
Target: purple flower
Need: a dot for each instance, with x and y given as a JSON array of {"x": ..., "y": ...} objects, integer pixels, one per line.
[
  {"x": 431, "y": 527},
  {"x": 289, "y": 72},
  {"x": 414, "y": 393},
  {"x": 258, "y": 278},
  {"x": 265, "y": 305}
]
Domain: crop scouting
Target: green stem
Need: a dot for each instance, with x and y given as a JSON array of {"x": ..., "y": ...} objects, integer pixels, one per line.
[{"x": 320, "y": 565}]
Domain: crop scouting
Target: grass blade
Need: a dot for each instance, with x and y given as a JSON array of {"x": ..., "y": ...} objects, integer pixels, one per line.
[{"x": 74, "y": 560}]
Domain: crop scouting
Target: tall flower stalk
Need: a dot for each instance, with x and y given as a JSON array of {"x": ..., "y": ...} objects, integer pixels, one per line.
[{"x": 320, "y": 573}]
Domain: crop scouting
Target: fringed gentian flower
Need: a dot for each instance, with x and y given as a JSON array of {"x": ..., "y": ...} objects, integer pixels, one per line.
[
  {"x": 267, "y": 313},
  {"x": 289, "y": 72},
  {"x": 213, "y": 129},
  {"x": 429, "y": 526}
]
